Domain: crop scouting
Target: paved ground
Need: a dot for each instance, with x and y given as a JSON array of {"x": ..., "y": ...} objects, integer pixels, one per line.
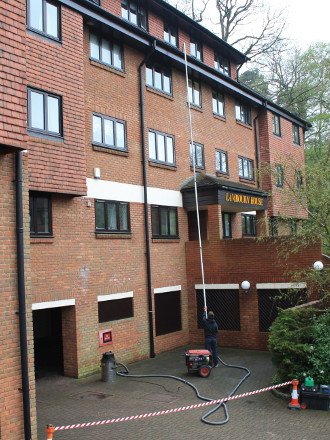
[{"x": 258, "y": 417}]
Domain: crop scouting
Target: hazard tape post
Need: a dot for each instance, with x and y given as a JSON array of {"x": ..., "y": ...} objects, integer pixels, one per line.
[{"x": 51, "y": 428}]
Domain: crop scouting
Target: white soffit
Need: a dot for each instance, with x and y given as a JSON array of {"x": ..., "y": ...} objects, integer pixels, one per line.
[
  {"x": 281, "y": 285},
  {"x": 217, "y": 286},
  {"x": 167, "y": 289},
  {"x": 113, "y": 296},
  {"x": 53, "y": 304}
]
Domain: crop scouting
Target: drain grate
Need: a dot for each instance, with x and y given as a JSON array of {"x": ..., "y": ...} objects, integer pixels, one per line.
[
  {"x": 158, "y": 397},
  {"x": 91, "y": 395}
]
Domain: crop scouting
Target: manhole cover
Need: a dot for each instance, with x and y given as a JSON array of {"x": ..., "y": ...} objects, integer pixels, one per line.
[
  {"x": 157, "y": 397},
  {"x": 91, "y": 395}
]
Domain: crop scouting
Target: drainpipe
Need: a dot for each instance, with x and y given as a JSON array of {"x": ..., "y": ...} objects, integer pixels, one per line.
[
  {"x": 256, "y": 134},
  {"x": 21, "y": 295},
  {"x": 145, "y": 192}
]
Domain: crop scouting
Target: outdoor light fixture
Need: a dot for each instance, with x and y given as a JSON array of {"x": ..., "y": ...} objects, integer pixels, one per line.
[
  {"x": 318, "y": 265},
  {"x": 246, "y": 286},
  {"x": 97, "y": 173}
]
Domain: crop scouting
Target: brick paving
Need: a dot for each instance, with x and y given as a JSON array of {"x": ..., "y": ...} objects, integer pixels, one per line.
[{"x": 261, "y": 416}]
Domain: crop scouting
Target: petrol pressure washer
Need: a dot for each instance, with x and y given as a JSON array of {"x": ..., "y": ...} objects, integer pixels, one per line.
[{"x": 199, "y": 360}]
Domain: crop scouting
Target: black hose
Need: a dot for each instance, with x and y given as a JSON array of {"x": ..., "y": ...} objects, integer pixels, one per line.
[{"x": 204, "y": 418}]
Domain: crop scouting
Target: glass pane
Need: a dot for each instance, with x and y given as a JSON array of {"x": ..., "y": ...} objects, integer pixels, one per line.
[
  {"x": 97, "y": 129},
  {"x": 173, "y": 222},
  {"x": 223, "y": 163},
  {"x": 158, "y": 78},
  {"x": 152, "y": 145},
  {"x": 51, "y": 20},
  {"x": 37, "y": 110},
  {"x": 196, "y": 93},
  {"x": 155, "y": 220},
  {"x": 133, "y": 13},
  {"x": 250, "y": 165},
  {"x": 53, "y": 114},
  {"x": 117, "y": 61},
  {"x": 190, "y": 93},
  {"x": 166, "y": 35},
  {"x": 173, "y": 38},
  {"x": 161, "y": 147},
  {"x": 163, "y": 221},
  {"x": 112, "y": 217},
  {"x": 42, "y": 215},
  {"x": 123, "y": 217},
  {"x": 240, "y": 166},
  {"x": 192, "y": 152},
  {"x": 35, "y": 14},
  {"x": 245, "y": 168},
  {"x": 214, "y": 103},
  {"x": 169, "y": 150},
  {"x": 167, "y": 83},
  {"x": 217, "y": 161},
  {"x": 192, "y": 49},
  {"x": 120, "y": 135},
  {"x": 199, "y": 156},
  {"x": 149, "y": 80},
  {"x": 105, "y": 51},
  {"x": 238, "y": 111},
  {"x": 94, "y": 46},
  {"x": 124, "y": 9},
  {"x": 108, "y": 132},
  {"x": 99, "y": 215},
  {"x": 143, "y": 18}
]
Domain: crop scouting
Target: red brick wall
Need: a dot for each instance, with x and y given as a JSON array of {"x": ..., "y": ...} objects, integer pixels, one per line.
[
  {"x": 57, "y": 68},
  {"x": 13, "y": 75},
  {"x": 280, "y": 150}
]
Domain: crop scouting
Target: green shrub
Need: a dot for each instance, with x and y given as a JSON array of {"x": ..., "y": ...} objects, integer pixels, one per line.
[{"x": 300, "y": 340}]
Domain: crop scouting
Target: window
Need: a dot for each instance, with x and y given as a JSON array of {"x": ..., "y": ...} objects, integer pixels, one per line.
[
  {"x": 164, "y": 222},
  {"x": 294, "y": 226},
  {"x": 221, "y": 64},
  {"x": 40, "y": 215},
  {"x": 279, "y": 174},
  {"x": 112, "y": 217},
  {"x": 133, "y": 13},
  {"x": 221, "y": 161},
  {"x": 195, "y": 49},
  {"x": 245, "y": 168},
  {"x": 194, "y": 93},
  {"x": 109, "y": 132},
  {"x": 159, "y": 78},
  {"x": 243, "y": 113},
  {"x": 170, "y": 34},
  {"x": 44, "y": 112},
  {"x": 299, "y": 179},
  {"x": 249, "y": 226},
  {"x": 161, "y": 147},
  {"x": 44, "y": 17},
  {"x": 276, "y": 125},
  {"x": 105, "y": 51},
  {"x": 218, "y": 103},
  {"x": 114, "y": 309},
  {"x": 226, "y": 225},
  {"x": 168, "y": 312},
  {"x": 296, "y": 135},
  {"x": 197, "y": 152},
  {"x": 273, "y": 226}
]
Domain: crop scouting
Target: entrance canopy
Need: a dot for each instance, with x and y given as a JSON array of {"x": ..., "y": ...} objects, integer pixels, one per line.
[{"x": 212, "y": 190}]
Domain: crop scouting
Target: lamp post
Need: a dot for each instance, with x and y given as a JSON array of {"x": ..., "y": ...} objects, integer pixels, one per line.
[
  {"x": 318, "y": 266},
  {"x": 246, "y": 286}
]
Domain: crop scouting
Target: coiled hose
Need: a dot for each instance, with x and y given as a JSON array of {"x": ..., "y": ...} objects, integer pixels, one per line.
[{"x": 199, "y": 396}]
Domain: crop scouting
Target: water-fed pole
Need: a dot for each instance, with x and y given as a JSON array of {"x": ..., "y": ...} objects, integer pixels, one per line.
[{"x": 192, "y": 149}]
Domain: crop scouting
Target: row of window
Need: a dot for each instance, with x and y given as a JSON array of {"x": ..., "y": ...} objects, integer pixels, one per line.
[
  {"x": 278, "y": 132},
  {"x": 279, "y": 176},
  {"x": 43, "y": 16},
  {"x": 114, "y": 217}
]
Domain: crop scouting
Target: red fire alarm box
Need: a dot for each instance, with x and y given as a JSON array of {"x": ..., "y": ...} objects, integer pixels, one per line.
[{"x": 105, "y": 337}]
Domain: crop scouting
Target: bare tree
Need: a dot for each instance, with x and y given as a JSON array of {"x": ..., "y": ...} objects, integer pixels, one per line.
[
  {"x": 265, "y": 26},
  {"x": 195, "y": 9}
]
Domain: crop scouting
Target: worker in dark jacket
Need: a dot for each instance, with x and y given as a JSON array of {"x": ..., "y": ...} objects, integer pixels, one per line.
[{"x": 210, "y": 332}]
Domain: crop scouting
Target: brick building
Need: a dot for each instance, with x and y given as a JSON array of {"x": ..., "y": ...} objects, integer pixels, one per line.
[{"x": 99, "y": 244}]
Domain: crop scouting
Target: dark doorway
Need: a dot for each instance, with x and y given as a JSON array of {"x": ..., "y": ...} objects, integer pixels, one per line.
[{"x": 48, "y": 346}]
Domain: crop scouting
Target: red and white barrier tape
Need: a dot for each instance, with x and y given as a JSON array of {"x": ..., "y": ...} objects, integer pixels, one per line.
[{"x": 169, "y": 411}]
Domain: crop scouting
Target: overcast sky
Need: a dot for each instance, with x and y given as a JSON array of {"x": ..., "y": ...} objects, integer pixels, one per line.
[{"x": 307, "y": 20}]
